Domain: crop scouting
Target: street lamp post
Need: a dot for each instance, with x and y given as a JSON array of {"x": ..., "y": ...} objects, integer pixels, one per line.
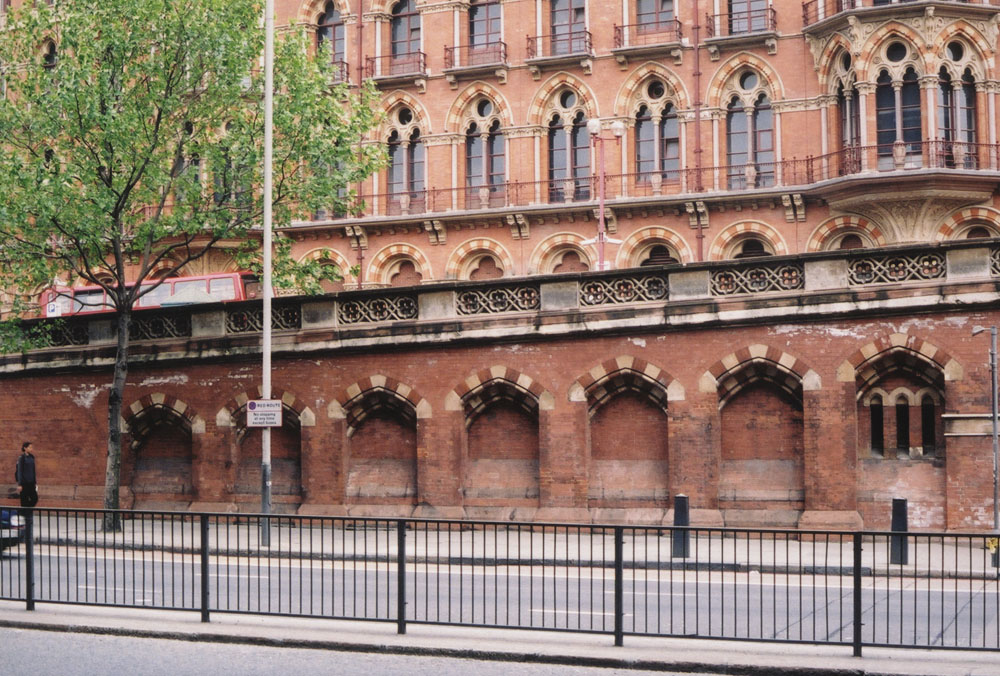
[
  {"x": 993, "y": 416},
  {"x": 265, "y": 460},
  {"x": 597, "y": 144}
]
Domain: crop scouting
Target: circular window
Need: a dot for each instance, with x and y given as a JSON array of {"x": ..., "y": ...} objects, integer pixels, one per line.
[
  {"x": 655, "y": 89},
  {"x": 896, "y": 52},
  {"x": 567, "y": 99},
  {"x": 405, "y": 116},
  {"x": 748, "y": 80},
  {"x": 845, "y": 62},
  {"x": 955, "y": 51},
  {"x": 484, "y": 107}
]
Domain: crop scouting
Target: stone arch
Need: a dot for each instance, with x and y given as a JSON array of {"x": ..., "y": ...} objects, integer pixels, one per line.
[
  {"x": 543, "y": 257},
  {"x": 310, "y": 9},
  {"x": 899, "y": 352},
  {"x": 541, "y": 103},
  {"x": 382, "y": 262},
  {"x": 483, "y": 387},
  {"x": 963, "y": 220},
  {"x": 756, "y": 363},
  {"x": 460, "y": 262},
  {"x": 332, "y": 256},
  {"x": 725, "y": 71},
  {"x": 356, "y": 402},
  {"x": 833, "y": 228},
  {"x": 140, "y": 418},
  {"x": 398, "y": 98},
  {"x": 864, "y": 65},
  {"x": 639, "y": 77},
  {"x": 457, "y": 117},
  {"x": 622, "y": 373},
  {"x": 828, "y": 61},
  {"x": 163, "y": 433},
  {"x": 631, "y": 250},
  {"x": 741, "y": 230},
  {"x": 233, "y": 412},
  {"x": 982, "y": 63}
]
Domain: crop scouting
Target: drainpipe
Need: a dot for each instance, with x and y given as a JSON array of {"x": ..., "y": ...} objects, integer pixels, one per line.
[{"x": 698, "y": 186}]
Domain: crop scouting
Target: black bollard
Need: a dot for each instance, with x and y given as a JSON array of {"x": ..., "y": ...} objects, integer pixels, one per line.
[
  {"x": 680, "y": 538},
  {"x": 898, "y": 544}
]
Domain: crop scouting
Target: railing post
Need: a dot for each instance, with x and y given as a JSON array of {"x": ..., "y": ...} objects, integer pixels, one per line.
[
  {"x": 401, "y": 577},
  {"x": 29, "y": 559},
  {"x": 680, "y": 539},
  {"x": 619, "y": 587},
  {"x": 204, "y": 567},
  {"x": 857, "y": 594},
  {"x": 898, "y": 545}
]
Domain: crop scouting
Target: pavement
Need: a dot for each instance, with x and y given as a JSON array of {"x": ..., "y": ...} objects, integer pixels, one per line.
[{"x": 514, "y": 646}]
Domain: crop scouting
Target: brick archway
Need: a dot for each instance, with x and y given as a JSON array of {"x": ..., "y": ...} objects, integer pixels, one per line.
[
  {"x": 756, "y": 363},
  {"x": 863, "y": 63},
  {"x": 726, "y": 70},
  {"x": 139, "y": 420},
  {"x": 957, "y": 222},
  {"x": 832, "y": 228},
  {"x": 640, "y": 76},
  {"x": 481, "y": 388},
  {"x": 640, "y": 240},
  {"x": 542, "y": 100},
  {"x": 357, "y": 401},
  {"x": 868, "y": 365},
  {"x": 743, "y": 229},
  {"x": 458, "y": 262},
  {"x": 458, "y": 112},
  {"x": 233, "y": 412},
  {"x": 625, "y": 373},
  {"x": 381, "y": 263}
]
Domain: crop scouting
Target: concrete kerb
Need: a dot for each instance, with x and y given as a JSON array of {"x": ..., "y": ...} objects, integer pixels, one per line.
[{"x": 514, "y": 646}]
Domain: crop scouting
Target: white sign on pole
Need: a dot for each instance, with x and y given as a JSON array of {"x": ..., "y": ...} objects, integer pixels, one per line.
[{"x": 264, "y": 413}]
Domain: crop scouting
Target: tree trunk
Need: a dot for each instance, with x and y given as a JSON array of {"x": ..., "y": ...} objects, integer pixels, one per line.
[{"x": 112, "y": 475}]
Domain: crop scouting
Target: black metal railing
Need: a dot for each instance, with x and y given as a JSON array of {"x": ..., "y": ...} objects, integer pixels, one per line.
[{"x": 851, "y": 589}]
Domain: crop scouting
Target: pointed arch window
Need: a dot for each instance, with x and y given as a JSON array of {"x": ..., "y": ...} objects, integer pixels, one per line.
[
  {"x": 569, "y": 159},
  {"x": 406, "y": 172},
  {"x": 928, "y": 427},
  {"x": 485, "y": 164},
  {"x": 897, "y": 113},
  {"x": 902, "y": 426},
  {"x": 330, "y": 33},
  {"x": 957, "y": 120},
  {"x": 877, "y": 425},
  {"x": 750, "y": 144},
  {"x": 657, "y": 143}
]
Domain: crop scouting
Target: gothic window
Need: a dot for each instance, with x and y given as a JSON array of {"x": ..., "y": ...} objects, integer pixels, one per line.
[
  {"x": 928, "y": 431},
  {"x": 657, "y": 139},
  {"x": 404, "y": 29},
  {"x": 752, "y": 248},
  {"x": 750, "y": 143},
  {"x": 957, "y": 119},
  {"x": 568, "y": 25},
  {"x": 850, "y": 241},
  {"x": 659, "y": 254},
  {"x": 406, "y": 153},
  {"x": 877, "y": 426},
  {"x": 330, "y": 33},
  {"x": 50, "y": 56},
  {"x": 897, "y": 112},
  {"x": 902, "y": 426},
  {"x": 485, "y": 161},
  {"x": 568, "y": 152},
  {"x": 978, "y": 232}
]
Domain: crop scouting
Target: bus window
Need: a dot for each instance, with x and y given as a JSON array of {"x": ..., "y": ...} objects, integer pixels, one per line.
[
  {"x": 58, "y": 305},
  {"x": 222, "y": 289},
  {"x": 155, "y": 297},
  {"x": 180, "y": 287}
]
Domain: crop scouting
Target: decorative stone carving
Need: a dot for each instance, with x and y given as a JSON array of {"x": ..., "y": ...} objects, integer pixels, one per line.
[{"x": 912, "y": 216}]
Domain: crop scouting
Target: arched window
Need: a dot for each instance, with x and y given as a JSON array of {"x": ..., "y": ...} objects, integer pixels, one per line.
[
  {"x": 850, "y": 129},
  {"x": 750, "y": 144},
  {"x": 957, "y": 120},
  {"x": 485, "y": 163},
  {"x": 928, "y": 428},
  {"x": 657, "y": 143},
  {"x": 568, "y": 26},
  {"x": 50, "y": 56},
  {"x": 978, "y": 232},
  {"x": 654, "y": 15},
  {"x": 877, "y": 426},
  {"x": 659, "y": 254},
  {"x": 902, "y": 426},
  {"x": 330, "y": 33},
  {"x": 850, "y": 241},
  {"x": 897, "y": 111},
  {"x": 406, "y": 172},
  {"x": 404, "y": 29},
  {"x": 752, "y": 248},
  {"x": 569, "y": 159}
]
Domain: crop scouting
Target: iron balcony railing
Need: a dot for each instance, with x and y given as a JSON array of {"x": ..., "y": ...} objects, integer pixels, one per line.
[
  {"x": 732, "y": 24},
  {"x": 396, "y": 65},
  {"x": 645, "y": 34},
  {"x": 851, "y": 589},
  {"x": 568, "y": 43},
  {"x": 817, "y": 10},
  {"x": 471, "y": 56}
]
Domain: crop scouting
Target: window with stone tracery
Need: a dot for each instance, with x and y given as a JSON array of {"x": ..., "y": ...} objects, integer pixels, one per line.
[
  {"x": 749, "y": 133},
  {"x": 898, "y": 114},
  {"x": 485, "y": 156},
  {"x": 405, "y": 182},
  {"x": 568, "y": 149},
  {"x": 657, "y": 135},
  {"x": 956, "y": 108}
]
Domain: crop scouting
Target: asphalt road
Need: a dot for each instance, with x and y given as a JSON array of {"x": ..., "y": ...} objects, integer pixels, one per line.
[
  {"x": 719, "y": 605},
  {"x": 46, "y": 653}
]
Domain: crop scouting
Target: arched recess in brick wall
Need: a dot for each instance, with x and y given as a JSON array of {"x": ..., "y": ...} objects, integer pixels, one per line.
[
  {"x": 900, "y": 382},
  {"x": 633, "y": 86},
  {"x": 381, "y": 451},
  {"x": 845, "y": 232},
  {"x": 335, "y": 259},
  {"x": 161, "y": 431},
  {"x": 637, "y": 247},
  {"x": 732, "y": 241},
  {"x": 549, "y": 256},
  {"x": 544, "y": 102},
  {"x": 479, "y": 258},
  {"x": 627, "y": 399},
  {"x": 760, "y": 390},
  {"x": 501, "y": 442},
  {"x": 286, "y": 448},
  {"x": 970, "y": 223},
  {"x": 399, "y": 265}
]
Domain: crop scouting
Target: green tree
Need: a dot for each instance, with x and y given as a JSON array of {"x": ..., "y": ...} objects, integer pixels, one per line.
[{"x": 131, "y": 144}]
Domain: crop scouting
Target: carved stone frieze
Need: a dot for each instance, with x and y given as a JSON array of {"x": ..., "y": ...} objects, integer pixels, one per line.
[{"x": 911, "y": 216}]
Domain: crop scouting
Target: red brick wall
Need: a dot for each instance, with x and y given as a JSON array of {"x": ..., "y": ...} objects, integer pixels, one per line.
[
  {"x": 382, "y": 466},
  {"x": 162, "y": 465},
  {"x": 286, "y": 466},
  {"x": 761, "y": 450},
  {"x": 502, "y": 466},
  {"x": 629, "y": 453}
]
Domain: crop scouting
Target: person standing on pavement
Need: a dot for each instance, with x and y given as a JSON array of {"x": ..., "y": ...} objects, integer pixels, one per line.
[{"x": 24, "y": 473}]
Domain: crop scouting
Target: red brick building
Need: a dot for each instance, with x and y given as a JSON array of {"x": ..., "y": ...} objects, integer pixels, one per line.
[{"x": 801, "y": 209}]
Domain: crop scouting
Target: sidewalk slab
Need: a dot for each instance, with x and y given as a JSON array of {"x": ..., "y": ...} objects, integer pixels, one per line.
[{"x": 678, "y": 655}]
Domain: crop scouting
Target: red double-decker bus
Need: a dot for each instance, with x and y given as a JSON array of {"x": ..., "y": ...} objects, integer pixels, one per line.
[{"x": 215, "y": 288}]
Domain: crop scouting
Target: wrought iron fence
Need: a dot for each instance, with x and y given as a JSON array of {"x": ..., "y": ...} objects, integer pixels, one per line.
[{"x": 856, "y": 589}]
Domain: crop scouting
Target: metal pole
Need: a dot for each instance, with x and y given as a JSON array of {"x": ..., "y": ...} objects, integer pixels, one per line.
[
  {"x": 601, "y": 230},
  {"x": 265, "y": 460}
]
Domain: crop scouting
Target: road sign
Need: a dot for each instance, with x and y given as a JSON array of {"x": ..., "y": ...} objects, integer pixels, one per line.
[{"x": 264, "y": 413}]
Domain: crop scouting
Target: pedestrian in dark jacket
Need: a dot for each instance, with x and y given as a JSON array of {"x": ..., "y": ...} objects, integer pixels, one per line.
[{"x": 24, "y": 473}]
